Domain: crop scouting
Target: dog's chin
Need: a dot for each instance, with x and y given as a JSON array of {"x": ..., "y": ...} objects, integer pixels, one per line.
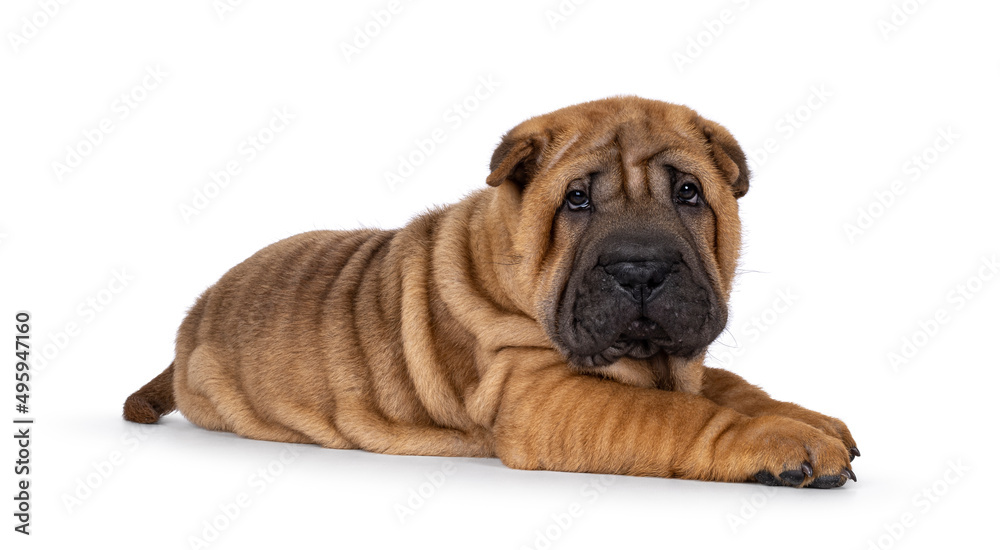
[
  {"x": 643, "y": 349},
  {"x": 625, "y": 347},
  {"x": 635, "y": 349},
  {"x": 638, "y": 339}
]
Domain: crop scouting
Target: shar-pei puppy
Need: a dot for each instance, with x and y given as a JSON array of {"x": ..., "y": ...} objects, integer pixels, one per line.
[{"x": 557, "y": 319}]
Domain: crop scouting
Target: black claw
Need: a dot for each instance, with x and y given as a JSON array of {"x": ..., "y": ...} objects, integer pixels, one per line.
[
  {"x": 854, "y": 453},
  {"x": 766, "y": 478},
  {"x": 807, "y": 469},
  {"x": 851, "y": 474}
]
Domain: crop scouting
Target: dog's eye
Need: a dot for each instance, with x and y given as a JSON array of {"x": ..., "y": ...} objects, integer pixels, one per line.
[
  {"x": 577, "y": 200},
  {"x": 687, "y": 194}
]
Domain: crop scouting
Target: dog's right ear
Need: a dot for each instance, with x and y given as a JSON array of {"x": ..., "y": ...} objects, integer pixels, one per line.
[{"x": 515, "y": 160}]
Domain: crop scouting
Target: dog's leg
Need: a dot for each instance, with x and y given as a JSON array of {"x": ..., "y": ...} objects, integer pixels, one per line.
[
  {"x": 551, "y": 418},
  {"x": 208, "y": 395},
  {"x": 730, "y": 390}
]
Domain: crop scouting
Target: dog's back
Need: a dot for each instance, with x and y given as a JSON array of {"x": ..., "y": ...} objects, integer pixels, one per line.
[{"x": 312, "y": 340}]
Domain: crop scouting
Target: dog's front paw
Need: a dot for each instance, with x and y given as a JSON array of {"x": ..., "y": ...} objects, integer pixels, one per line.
[
  {"x": 791, "y": 453},
  {"x": 827, "y": 424}
]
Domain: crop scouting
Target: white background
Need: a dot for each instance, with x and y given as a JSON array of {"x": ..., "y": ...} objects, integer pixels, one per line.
[{"x": 815, "y": 315}]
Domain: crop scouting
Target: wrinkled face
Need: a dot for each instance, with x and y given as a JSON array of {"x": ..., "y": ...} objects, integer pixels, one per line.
[
  {"x": 638, "y": 284},
  {"x": 628, "y": 222}
]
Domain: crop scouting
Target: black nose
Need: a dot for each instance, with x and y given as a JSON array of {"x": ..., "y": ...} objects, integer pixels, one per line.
[
  {"x": 640, "y": 278},
  {"x": 641, "y": 267}
]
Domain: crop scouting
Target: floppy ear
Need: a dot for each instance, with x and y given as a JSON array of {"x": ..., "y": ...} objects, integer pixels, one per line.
[
  {"x": 728, "y": 156},
  {"x": 515, "y": 159}
]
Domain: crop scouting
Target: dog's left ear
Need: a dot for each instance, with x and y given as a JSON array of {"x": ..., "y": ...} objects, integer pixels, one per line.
[
  {"x": 515, "y": 159},
  {"x": 728, "y": 156}
]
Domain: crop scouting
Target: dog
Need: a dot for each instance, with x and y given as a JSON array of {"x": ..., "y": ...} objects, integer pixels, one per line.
[{"x": 557, "y": 319}]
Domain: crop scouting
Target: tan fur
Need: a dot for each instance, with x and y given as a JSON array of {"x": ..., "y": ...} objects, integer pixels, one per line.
[{"x": 432, "y": 339}]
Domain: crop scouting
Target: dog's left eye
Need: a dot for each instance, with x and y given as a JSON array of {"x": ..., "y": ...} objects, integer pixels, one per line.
[
  {"x": 577, "y": 200},
  {"x": 687, "y": 194}
]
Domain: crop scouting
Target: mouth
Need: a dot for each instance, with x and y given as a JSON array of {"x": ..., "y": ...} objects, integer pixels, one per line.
[
  {"x": 637, "y": 349},
  {"x": 642, "y": 338},
  {"x": 642, "y": 328},
  {"x": 604, "y": 316}
]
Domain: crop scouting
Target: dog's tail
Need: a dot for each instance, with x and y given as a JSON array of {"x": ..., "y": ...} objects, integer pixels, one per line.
[{"x": 153, "y": 400}]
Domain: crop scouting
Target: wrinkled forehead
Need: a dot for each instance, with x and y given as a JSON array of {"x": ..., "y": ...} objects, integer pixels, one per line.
[{"x": 633, "y": 137}]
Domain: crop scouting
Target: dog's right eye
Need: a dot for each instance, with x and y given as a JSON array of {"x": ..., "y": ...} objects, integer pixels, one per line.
[{"x": 577, "y": 200}]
